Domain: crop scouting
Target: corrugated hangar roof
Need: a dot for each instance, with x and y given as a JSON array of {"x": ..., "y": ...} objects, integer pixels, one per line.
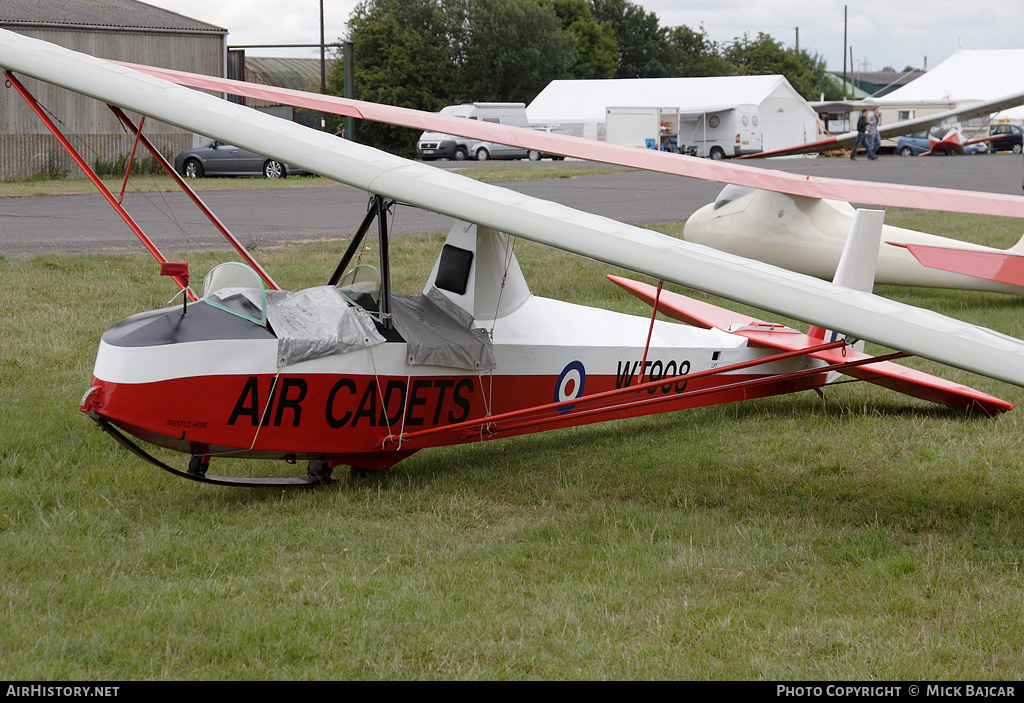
[
  {"x": 297, "y": 74},
  {"x": 124, "y": 14}
]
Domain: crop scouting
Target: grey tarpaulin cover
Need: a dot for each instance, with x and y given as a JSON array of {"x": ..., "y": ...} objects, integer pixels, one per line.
[
  {"x": 311, "y": 323},
  {"x": 317, "y": 322},
  {"x": 438, "y": 333}
]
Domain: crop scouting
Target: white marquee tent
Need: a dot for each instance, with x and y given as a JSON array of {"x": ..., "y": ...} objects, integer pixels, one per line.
[
  {"x": 580, "y": 105},
  {"x": 968, "y": 76}
]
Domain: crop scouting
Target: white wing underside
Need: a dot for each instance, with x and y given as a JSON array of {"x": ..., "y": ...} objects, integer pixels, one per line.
[{"x": 863, "y": 315}]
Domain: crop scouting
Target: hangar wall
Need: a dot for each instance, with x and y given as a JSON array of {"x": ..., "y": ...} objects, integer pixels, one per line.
[{"x": 28, "y": 149}]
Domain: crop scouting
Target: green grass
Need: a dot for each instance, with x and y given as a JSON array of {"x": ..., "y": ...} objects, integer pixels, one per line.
[
  {"x": 153, "y": 184},
  {"x": 498, "y": 173},
  {"x": 864, "y": 536}
]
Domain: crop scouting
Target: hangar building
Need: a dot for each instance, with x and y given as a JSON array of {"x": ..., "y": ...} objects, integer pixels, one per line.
[{"x": 124, "y": 30}]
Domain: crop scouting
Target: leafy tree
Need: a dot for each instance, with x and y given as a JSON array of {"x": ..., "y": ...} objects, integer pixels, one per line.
[
  {"x": 692, "y": 53},
  {"x": 512, "y": 50},
  {"x": 806, "y": 72},
  {"x": 761, "y": 56},
  {"x": 402, "y": 59},
  {"x": 642, "y": 40},
  {"x": 597, "y": 51}
]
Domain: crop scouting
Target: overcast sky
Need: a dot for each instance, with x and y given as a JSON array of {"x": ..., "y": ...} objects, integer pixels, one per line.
[{"x": 881, "y": 33}]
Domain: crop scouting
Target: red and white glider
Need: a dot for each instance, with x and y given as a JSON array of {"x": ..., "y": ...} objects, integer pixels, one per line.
[{"x": 353, "y": 373}]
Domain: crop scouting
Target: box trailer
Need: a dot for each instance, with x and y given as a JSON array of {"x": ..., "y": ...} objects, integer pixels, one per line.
[
  {"x": 717, "y": 132},
  {"x": 645, "y": 127}
]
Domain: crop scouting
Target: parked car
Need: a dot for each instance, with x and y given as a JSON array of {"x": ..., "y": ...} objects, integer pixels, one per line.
[
  {"x": 432, "y": 146},
  {"x": 917, "y": 143},
  {"x": 483, "y": 151},
  {"x": 220, "y": 159},
  {"x": 534, "y": 155},
  {"x": 1010, "y": 140}
]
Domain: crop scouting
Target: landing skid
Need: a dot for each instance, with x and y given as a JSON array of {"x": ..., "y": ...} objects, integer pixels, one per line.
[{"x": 319, "y": 473}]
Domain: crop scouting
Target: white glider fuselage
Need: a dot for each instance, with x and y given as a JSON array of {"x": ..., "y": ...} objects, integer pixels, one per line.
[{"x": 807, "y": 235}]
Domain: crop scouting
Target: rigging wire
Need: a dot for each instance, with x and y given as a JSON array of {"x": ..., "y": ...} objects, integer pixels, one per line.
[{"x": 159, "y": 203}]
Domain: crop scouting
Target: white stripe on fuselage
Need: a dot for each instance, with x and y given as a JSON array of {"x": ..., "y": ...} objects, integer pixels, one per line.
[{"x": 539, "y": 338}]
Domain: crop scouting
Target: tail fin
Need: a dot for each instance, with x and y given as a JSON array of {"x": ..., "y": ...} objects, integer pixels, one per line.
[
  {"x": 857, "y": 265},
  {"x": 856, "y": 268}
]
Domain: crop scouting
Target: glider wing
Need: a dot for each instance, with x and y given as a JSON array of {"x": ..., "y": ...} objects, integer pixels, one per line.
[
  {"x": 862, "y": 315},
  {"x": 898, "y": 129},
  {"x": 999, "y": 266},
  {"x": 868, "y": 193}
]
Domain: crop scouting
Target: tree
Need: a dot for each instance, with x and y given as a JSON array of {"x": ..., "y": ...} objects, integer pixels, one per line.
[
  {"x": 512, "y": 49},
  {"x": 806, "y": 72},
  {"x": 691, "y": 53},
  {"x": 401, "y": 59},
  {"x": 642, "y": 40},
  {"x": 597, "y": 51}
]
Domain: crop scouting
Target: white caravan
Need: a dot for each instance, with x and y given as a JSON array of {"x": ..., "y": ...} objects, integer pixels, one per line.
[{"x": 434, "y": 145}]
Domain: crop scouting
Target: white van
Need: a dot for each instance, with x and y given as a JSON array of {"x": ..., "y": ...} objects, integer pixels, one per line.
[
  {"x": 723, "y": 132},
  {"x": 434, "y": 145}
]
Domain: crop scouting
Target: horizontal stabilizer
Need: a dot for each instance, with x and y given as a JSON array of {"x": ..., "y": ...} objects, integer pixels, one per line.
[
  {"x": 1000, "y": 266},
  {"x": 883, "y": 373}
]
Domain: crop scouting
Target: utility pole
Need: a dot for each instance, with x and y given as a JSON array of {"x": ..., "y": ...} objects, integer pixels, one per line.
[
  {"x": 853, "y": 75},
  {"x": 844, "y": 52},
  {"x": 348, "y": 91},
  {"x": 323, "y": 66},
  {"x": 323, "y": 53}
]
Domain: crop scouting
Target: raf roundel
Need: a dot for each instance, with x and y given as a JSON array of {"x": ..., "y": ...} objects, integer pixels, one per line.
[{"x": 570, "y": 384}]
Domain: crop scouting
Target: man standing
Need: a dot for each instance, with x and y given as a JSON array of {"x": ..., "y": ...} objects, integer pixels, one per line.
[
  {"x": 874, "y": 141},
  {"x": 862, "y": 125}
]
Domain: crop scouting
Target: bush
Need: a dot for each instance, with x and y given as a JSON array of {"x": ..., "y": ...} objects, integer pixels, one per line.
[{"x": 148, "y": 166}]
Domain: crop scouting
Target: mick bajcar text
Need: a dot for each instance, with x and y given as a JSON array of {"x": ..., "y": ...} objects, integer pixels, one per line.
[{"x": 911, "y": 690}]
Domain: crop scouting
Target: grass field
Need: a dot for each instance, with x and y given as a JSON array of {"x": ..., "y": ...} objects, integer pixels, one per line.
[
  {"x": 866, "y": 536},
  {"x": 497, "y": 173}
]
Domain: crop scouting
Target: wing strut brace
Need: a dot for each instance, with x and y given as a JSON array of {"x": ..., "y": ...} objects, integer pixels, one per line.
[
  {"x": 214, "y": 220},
  {"x": 116, "y": 204},
  {"x": 378, "y": 209},
  {"x": 519, "y": 419}
]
